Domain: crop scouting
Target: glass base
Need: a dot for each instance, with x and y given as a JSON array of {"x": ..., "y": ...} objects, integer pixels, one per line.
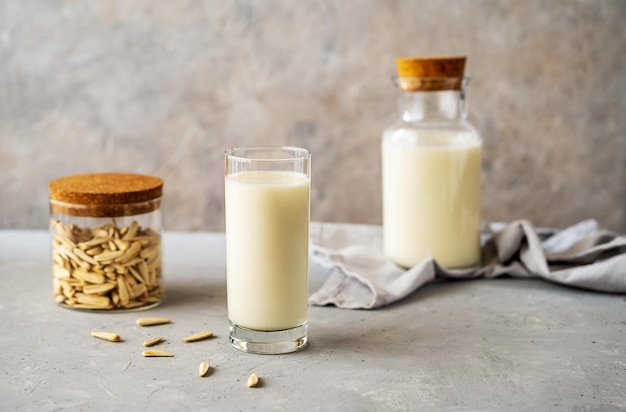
[
  {"x": 147, "y": 306},
  {"x": 268, "y": 342}
]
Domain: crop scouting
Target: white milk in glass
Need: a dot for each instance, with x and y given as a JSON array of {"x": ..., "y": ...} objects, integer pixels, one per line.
[
  {"x": 431, "y": 196},
  {"x": 267, "y": 222}
]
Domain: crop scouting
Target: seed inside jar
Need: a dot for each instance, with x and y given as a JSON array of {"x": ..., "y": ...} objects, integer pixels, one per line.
[{"x": 106, "y": 267}]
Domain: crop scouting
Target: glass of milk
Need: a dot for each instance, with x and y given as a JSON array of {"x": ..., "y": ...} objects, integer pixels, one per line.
[{"x": 267, "y": 204}]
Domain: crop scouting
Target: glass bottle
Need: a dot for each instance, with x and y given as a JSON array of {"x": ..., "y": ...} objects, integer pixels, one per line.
[
  {"x": 431, "y": 167},
  {"x": 106, "y": 241}
]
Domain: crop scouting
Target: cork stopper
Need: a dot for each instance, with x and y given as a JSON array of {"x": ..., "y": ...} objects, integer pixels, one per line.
[
  {"x": 430, "y": 73},
  {"x": 105, "y": 194}
]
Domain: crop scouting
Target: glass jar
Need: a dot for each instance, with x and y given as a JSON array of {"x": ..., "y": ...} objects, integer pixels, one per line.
[
  {"x": 106, "y": 241},
  {"x": 431, "y": 167}
]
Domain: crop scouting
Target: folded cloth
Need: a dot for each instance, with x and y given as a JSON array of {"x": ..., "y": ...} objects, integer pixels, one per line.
[{"x": 361, "y": 277}]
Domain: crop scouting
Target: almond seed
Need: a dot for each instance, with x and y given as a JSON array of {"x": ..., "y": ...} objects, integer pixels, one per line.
[
  {"x": 87, "y": 276},
  {"x": 98, "y": 269},
  {"x": 122, "y": 290},
  {"x": 94, "y": 251},
  {"x": 152, "y": 321},
  {"x": 62, "y": 239},
  {"x": 84, "y": 256},
  {"x": 135, "y": 273},
  {"x": 60, "y": 273},
  {"x": 156, "y": 353},
  {"x": 130, "y": 253},
  {"x": 131, "y": 282},
  {"x": 62, "y": 229},
  {"x": 111, "y": 245},
  {"x": 198, "y": 336},
  {"x": 143, "y": 270},
  {"x": 96, "y": 241},
  {"x": 253, "y": 380},
  {"x": 94, "y": 300},
  {"x": 109, "y": 336},
  {"x": 98, "y": 289},
  {"x": 153, "y": 341},
  {"x": 132, "y": 230},
  {"x": 203, "y": 369},
  {"x": 120, "y": 244},
  {"x": 102, "y": 233},
  {"x": 108, "y": 255},
  {"x": 138, "y": 291},
  {"x": 150, "y": 252}
]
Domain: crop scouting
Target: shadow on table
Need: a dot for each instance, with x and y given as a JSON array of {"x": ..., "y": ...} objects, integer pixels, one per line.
[
  {"x": 195, "y": 292},
  {"x": 439, "y": 316}
]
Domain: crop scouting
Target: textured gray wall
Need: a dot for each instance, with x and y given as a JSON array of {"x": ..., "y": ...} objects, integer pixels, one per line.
[{"x": 163, "y": 87}]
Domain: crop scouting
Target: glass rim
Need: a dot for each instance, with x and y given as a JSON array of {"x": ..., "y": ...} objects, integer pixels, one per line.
[{"x": 298, "y": 153}]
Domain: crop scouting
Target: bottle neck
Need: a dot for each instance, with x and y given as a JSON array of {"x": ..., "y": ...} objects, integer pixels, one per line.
[{"x": 433, "y": 106}]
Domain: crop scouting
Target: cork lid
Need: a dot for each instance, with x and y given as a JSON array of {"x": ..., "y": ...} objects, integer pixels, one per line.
[
  {"x": 430, "y": 73},
  {"x": 105, "y": 194}
]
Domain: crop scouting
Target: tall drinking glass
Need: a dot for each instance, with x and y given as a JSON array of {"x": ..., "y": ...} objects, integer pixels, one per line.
[{"x": 267, "y": 202}]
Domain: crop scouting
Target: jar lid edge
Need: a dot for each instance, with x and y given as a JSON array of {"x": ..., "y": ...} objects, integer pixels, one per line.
[
  {"x": 105, "y": 188},
  {"x": 431, "y": 66}
]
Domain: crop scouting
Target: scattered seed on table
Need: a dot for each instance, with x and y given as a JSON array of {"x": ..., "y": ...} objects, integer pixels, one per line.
[
  {"x": 203, "y": 369},
  {"x": 152, "y": 321},
  {"x": 109, "y": 336},
  {"x": 253, "y": 380},
  {"x": 153, "y": 341},
  {"x": 156, "y": 354},
  {"x": 198, "y": 336}
]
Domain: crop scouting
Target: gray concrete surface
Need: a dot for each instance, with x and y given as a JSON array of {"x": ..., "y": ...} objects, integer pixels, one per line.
[
  {"x": 164, "y": 87},
  {"x": 504, "y": 344}
]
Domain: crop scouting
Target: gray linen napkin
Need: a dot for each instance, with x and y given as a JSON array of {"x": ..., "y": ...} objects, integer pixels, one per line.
[{"x": 361, "y": 277}]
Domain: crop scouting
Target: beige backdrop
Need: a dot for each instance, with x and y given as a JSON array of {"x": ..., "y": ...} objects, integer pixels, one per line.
[{"x": 163, "y": 87}]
